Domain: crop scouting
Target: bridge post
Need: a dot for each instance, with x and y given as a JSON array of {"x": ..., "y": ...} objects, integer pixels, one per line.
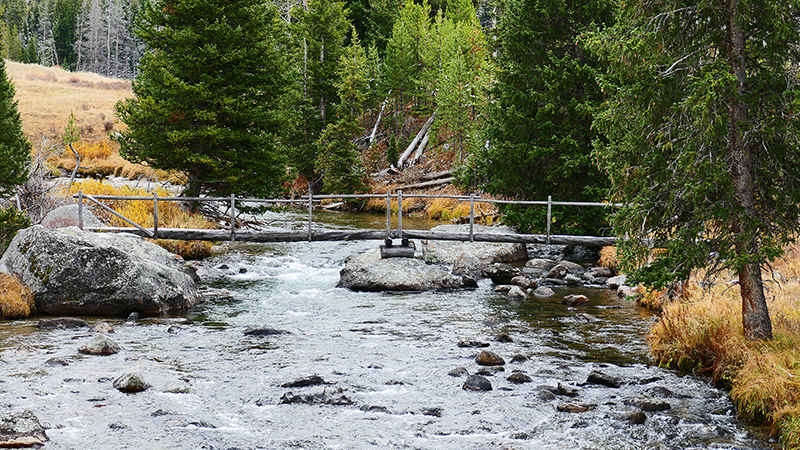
[
  {"x": 233, "y": 217},
  {"x": 400, "y": 213},
  {"x": 471, "y": 216},
  {"x": 388, "y": 215},
  {"x": 310, "y": 208},
  {"x": 80, "y": 209},
  {"x": 155, "y": 215},
  {"x": 549, "y": 216}
]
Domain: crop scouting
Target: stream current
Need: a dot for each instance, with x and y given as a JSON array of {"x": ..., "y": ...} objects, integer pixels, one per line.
[{"x": 214, "y": 387}]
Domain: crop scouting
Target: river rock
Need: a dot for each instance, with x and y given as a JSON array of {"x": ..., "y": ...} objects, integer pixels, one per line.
[
  {"x": 62, "y": 323},
  {"x": 102, "y": 327},
  {"x": 519, "y": 378},
  {"x": 266, "y": 331},
  {"x": 581, "y": 318},
  {"x": 71, "y": 271},
  {"x": 459, "y": 372},
  {"x": 100, "y": 346},
  {"x": 543, "y": 292},
  {"x": 617, "y": 281},
  {"x": 601, "y": 272},
  {"x": 489, "y": 358},
  {"x": 626, "y": 291},
  {"x": 596, "y": 377},
  {"x": 524, "y": 282},
  {"x": 516, "y": 293},
  {"x": 469, "y": 343},
  {"x": 329, "y": 396},
  {"x": 542, "y": 264},
  {"x": 131, "y": 383},
  {"x": 503, "y": 288},
  {"x": 368, "y": 272},
  {"x": 647, "y": 403},
  {"x": 470, "y": 258},
  {"x": 635, "y": 417},
  {"x": 503, "y": 337},
  {"x": 21, "y": 430},
  {"x": 575, "y": 300},
  {"x": 477, "y": 383},
  {"x": 501, "y": 273},
  {"x": 313, "y": 380}
]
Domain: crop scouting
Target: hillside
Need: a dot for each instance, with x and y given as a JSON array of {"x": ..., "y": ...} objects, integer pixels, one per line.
[{"x": 47, "y": 95}]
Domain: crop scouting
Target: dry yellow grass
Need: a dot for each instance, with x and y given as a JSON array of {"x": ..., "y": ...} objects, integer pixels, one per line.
[
  {"x": 16, "y": 300},
  {"x": 47, "y": 95},
  {"x": 703, "y": 334}
]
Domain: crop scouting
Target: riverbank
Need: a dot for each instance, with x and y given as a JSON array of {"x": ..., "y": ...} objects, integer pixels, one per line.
[{"x": 703, "y": 335}]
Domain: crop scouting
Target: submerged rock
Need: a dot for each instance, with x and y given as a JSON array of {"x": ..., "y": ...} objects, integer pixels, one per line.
[
  {"x": 501, "y": 273},
  {"x": 575, "y": 300},
  {"x": 264, "y": 332},
  {"x": 543, "y": 292},
  {"x": 477, "y": 383},
  {"x": 489, "y": 358},
  {"x": 459, "y": 372},
  {"x": 635, "y": 417},
  {"x": 62, "y": 323},
  {"x": 313, "y": 380},
  {"x": 102, "y": 327},
  {"x": 603, "y": 379},
  {"x": 329, "y": 396},
  {"x": 468, "y": 343},
  {"x": 575, "y": 407},
  {"x": 519, "y": 378},
  {"x": 647, "y": 403},
  {"x": 71, "y": 271},
  {"x": 368, "y": 272},
  {"x": 21, "y": 430}
]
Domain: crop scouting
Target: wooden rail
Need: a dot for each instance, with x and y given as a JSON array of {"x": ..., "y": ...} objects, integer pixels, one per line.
[{"x": 338, "y": 235}]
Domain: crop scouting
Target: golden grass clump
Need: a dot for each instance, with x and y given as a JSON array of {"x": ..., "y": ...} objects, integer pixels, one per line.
[
  {"x": 608, "y": 258},
  {"x": 703, "y": 334},
  {"x": 170, "y": 215},
  {"x": 16, "y": 299}
]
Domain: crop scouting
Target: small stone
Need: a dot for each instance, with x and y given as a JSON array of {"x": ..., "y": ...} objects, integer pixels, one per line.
[
  {"x": 174, "y": 329},
  {"x": 313, "y": 380},
  {"x": 489, "y": 371},
  {"x": 489, "y": 358},
  {"x": 134, "y": 316},
  {"x": 617, "y": 281},
  {"x": 545, "y": 395},
  {"x": 100, "y": 346},
  {"x": 543, "y": 292},
  {"x": 131, "y": 383},
  {"x": 626, "y": 291},
  {"x": 503, "y": 337},
  {"x": 575, "y": 300},
  {"x": 519, "y": 378},
  {"x": 575, "y": 407},
  {"x": 459, "y": 372},
  {"x": 56, "y": 362},
  {"x": 62, "y": 323},
  {"x": 601, "y": 272},
  {"x": 102, "y": 327},
  {"x": 647, "y": 403},
  {"x": 468, "y": 343},
  {"x": 477, "y": 383},
  {"x": 635, "y": 417},
  {"x": 117, "y": 426},
  {"x": 516, "y": 293},
  {"x": 519, "y": 358},
  {"x": 503, "y": 288},
  {"x": 567, "y": 391},
  {"x": 264, "y": 332},
  {"x": 524, "y": 282}
]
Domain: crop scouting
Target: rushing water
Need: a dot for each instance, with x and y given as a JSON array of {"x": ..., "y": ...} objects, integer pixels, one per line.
[{"x": 216, "y": 388}]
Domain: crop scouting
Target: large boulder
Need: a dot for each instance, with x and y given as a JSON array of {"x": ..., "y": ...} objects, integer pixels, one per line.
[
  {"x": 368, "y": 272},
  {"x": 470, "y": 258},
  {"x": 21, "y": 429},
  {"x": 75, "y": 272},
  {"x": 68, "y": 216}
]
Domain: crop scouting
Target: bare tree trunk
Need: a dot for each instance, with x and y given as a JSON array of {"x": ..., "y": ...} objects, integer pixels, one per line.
[{"x": 755, "y": 316}]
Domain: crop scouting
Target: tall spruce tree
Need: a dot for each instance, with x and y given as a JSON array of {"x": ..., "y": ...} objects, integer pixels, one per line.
[
  {"x": 539, "y": 123},
  {"x": 211, "y": 96},
  {"x": 15, "y": 150},
  {"x": 703, "y": 141}
]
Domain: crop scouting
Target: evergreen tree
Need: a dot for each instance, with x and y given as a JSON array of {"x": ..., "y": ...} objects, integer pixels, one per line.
[
  {"x": 539, "y": 123},
  {"x": 15, "y": 150},
  {"x": 211, "y": 97},
  {"x": 703, "y": 142}
]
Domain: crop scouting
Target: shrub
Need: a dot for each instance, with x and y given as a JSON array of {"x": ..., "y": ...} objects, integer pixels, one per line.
[
  {"x": 11, "y": 221},
  {"x": 16, "y": 300}
]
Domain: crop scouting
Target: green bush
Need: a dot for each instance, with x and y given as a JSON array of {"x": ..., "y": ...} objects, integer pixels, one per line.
[{"x": 11, "y": 221}]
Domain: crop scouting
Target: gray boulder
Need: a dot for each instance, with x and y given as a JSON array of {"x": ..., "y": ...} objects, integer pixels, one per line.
[
  {"x": 368, "y": 272},
  {"x": 100, "y": 346},
  {"x": 75, "y": 272},
  {"x": 67, "y": 216},
  {"x": 470, "y": 258},
  {"x": 131, "y": 383}
]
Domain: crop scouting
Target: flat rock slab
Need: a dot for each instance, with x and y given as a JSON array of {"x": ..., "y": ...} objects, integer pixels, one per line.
[
  {"x": 368, "y": 272},
  {"x": 470, "y": 258}
]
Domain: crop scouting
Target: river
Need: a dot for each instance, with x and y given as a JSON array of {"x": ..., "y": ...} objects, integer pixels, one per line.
[{"x": 214, "y": 387}]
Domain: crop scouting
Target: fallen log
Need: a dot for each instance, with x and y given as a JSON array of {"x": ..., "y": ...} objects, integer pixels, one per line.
[
  {"x": 428, "y": 184},
  {"x": 436, "y": 175},
  {"x": 413, "y": 144}
]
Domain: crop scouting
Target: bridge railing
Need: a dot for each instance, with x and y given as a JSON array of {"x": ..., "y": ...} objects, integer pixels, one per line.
[{"x": 309, "y": 201}]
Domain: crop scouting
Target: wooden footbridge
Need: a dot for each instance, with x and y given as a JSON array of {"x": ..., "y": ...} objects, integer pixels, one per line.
[{"x": 311, "y": 234}]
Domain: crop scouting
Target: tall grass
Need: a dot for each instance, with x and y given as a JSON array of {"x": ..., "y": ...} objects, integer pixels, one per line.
[
  {"x": 16, "y": 300},
  {"x": 703, "y": 334}
]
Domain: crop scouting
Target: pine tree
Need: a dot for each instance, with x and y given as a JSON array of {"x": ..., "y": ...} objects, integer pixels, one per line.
[
  {"x": 212, "y": 96},
  {"x": 703, "y": 141},
  {"x": 15, "y": 150},
  {"x": 539, "y": 123}
]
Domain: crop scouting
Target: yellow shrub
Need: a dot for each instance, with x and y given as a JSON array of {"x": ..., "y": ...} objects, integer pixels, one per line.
[
  {"x": 16, "y": 300},
  {"x": 97, "y": 150}
]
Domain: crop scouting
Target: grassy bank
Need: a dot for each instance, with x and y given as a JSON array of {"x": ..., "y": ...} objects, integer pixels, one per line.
[{"x": 703, "y": 335}]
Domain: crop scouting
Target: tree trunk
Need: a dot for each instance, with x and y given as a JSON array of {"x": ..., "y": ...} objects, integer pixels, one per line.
[{"x": 755, "y": 316}]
